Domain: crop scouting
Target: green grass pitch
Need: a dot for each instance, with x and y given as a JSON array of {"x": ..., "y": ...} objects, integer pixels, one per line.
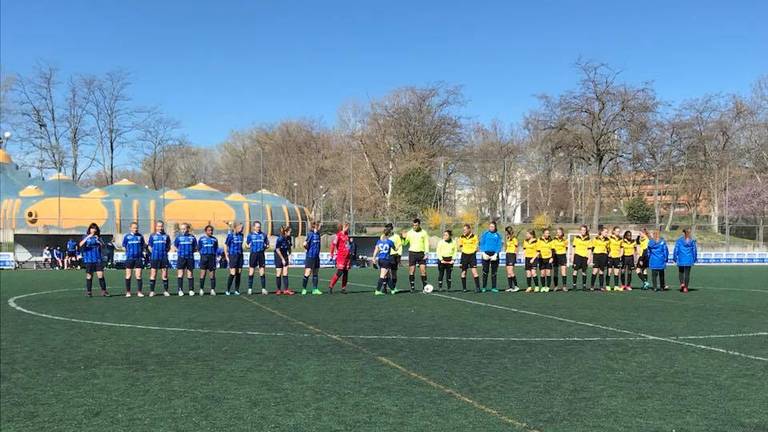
[{"x": 577, "y": 361}]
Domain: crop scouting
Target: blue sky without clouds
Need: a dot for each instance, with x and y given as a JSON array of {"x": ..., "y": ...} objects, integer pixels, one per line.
[{"x": 218, "y": 66}]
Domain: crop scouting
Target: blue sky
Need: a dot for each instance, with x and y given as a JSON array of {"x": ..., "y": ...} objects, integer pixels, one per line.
[{"x": 218, "y": 66}]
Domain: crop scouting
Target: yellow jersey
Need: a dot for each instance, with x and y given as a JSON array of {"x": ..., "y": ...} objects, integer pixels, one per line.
[
  {"x": 511, "y": 246},
  {"x": 600, "y": 245},
  {"x": 560, "y": 245},
  {"x": 398, "y": 241},
  {"x": 643, "y": 243},
  {"x": 417, "y": 241},
  {"x": 530, "y": 247},
  {"x": 468, "y": 244},
  {"x": 545, "y": 248},
  {"x": 614, "y": 246},
  {"x": 629, "y": 247},
  {"x": 446, "y": 249},
  {"x": 582, "y": 245}
]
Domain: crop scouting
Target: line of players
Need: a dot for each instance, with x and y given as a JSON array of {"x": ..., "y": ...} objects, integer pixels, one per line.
[
  {"x": 609, "y": 255},
  {"x": 159, "y": 244}
]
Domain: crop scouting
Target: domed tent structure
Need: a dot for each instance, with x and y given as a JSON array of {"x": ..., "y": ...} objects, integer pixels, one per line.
[
  {"x": 57, "y": 208},
  {"x": 279, "y": 211}
]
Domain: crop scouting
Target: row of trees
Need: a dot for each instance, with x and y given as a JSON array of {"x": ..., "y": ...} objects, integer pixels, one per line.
[
  {"x": 85, "y": 126},
  {"x": 578, "y": 155}
]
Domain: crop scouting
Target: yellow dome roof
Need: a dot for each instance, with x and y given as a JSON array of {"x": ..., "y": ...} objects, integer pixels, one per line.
[
  {"x": 30, "y": 191},
  {"x": 171, "y": 194},
  {"x": 5, "y": 157},
  {"x": 267, "y": 192},
  {"x": 59, "y": 176},
  {"x": 236, "y": 197},
  {"x": 124, "y": 182},
  {"x": 203, "y": 187},
  {"x": 95, "y": 193}
]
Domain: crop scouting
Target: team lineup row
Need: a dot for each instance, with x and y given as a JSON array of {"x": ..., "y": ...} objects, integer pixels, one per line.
[{"x": 608, "y": 253}]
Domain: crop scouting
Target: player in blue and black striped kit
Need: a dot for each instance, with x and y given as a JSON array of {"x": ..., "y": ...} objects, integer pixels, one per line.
[
  {"x": 382, "y": 252},
  {"x": 91, "y": 245},
  {"x": 234, "y": 254},
  {"x": 71, "y": 257},
  {"x": 258, "y": 242},
  {"x": 283, "y": 246},
  {"x": 185, "y": 244},
  {"x": 159, "y": 244},
  {"x": 134, "y": 246},
  {"x": 312, "y": 259},
  {"x": 207, "y": 245}
]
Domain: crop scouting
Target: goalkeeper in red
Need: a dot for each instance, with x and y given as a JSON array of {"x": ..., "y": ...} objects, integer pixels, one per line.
[{"x": 340, "y": 253}]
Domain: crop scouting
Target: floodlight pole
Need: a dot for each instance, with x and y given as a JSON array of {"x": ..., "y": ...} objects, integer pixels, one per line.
[
  {"x": 162, "y": 172},
  {"x": 58, "y": 187},
  {"x": 4, "y": 139},
  {"x": 261, "y": 183},
  {"x": 441, "y": 188},
  {"x": 504, "y": 193},
  {"x": 351, "y": 194}
]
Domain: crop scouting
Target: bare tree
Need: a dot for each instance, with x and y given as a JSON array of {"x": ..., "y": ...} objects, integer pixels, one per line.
[
  {"x": 114, "y": 119},
  {"x": 712, "y": 124},
  {"x": 158, "y": 141},
  {"x": 597, "y": 117},
  {"x": 193, "y": 164},
  {"x": 40, "y": 118},
  {"x": 78, "y": 100},
  {"x": 410, "y": 127},
  {"x": 658, "y": 153},
  {"x": 7, "y": 84}
]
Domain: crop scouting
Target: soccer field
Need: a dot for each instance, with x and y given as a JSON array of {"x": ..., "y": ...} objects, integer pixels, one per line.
[{"x": 576, "y": 361}]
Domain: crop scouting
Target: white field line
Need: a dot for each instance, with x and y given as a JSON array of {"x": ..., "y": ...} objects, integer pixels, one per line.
[
  {"x": 13, "y": 303},
  {"x": 517, "y": 423},
  {"x": 765, "y": 291},
  {"x": 604, "y": 327}
]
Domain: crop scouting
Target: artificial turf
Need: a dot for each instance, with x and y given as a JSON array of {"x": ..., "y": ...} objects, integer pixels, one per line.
[{"x": 576, "y": 361}]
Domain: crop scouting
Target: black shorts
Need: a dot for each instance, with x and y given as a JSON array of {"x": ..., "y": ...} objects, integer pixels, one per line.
[
  {"x": 600, "y": 260},
  {"x": 208, "y": 262},
  {"x": 94, "y": 267},
  {"x": 614, "y": 262},
  {"x": 314, "y": 263},
  {"x": 185, "y": 263},
  {"x": 511, "y": 259},
  {"x": 445, "y": 266},
  {"x": 257, "y": 260},
  {"x": 72, "y": 254},
  {"x": 580, "y": 262},
  {"x": 561, "y": 260},
  {"x": 530, "y": 263},
  {"x": 544, "y": 263},
  {"x": 383, "y": 263},
  {"x": 134, "y": 263},
  {"x": 236, "y": 261},
  {"x": 279, "y": 262},
  {"x": 642, "y": 261},
  {"x": 394, "y": 262},
  {"x": 628, "y": 261},
  {"x": 468, "y": 260},
  {"x": 416, "y": 258},
  {"x": 161, "y": 263}
]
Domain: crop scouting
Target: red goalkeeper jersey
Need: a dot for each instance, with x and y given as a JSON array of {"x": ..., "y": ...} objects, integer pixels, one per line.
[{"x": 340, "y": 245}]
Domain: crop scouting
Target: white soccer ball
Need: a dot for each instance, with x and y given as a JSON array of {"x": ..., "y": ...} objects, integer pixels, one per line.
[{"x": 428, "y": 288}]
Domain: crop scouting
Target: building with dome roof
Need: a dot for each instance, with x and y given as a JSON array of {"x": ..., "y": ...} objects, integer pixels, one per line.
[{"x": 34, "y": 213}]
